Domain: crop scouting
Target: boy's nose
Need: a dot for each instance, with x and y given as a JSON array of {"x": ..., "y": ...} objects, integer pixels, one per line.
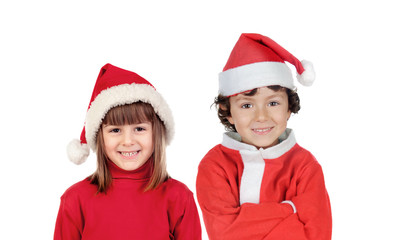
[{"x": 261, "y": 114}]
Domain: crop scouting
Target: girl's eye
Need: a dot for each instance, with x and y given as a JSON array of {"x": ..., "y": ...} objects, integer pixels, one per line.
[
  {"x": 139, "y": 129},
  {"x": 115, "y": 130},
  {"x": 248, "y": 105}
]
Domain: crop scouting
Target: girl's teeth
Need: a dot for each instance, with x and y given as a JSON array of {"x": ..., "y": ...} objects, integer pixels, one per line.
[{"x": 128, "y": 154}]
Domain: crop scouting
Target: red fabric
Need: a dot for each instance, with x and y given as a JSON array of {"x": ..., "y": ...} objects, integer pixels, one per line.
[
  {"x": 253, "y": 48},
  {"x": 110, "y": 76},
  {"x": 126, "y": 212},
  {"x": 295, "y": 176}
]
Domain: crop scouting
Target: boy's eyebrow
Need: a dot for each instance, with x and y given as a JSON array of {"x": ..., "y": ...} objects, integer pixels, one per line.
[
  {"x": 275, "y": 94},
  {"x": 243, "y": 97}
]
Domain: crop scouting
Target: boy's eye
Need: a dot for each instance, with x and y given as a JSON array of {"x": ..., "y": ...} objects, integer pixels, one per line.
[
  {"x": 248, "y": 105},
  {"x": 272, "y": 104}
]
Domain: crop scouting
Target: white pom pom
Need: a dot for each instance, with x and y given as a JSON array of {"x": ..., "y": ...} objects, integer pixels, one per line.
[
  {"x": 308, "y": 76},
  {"x": 77, "y": 152}
]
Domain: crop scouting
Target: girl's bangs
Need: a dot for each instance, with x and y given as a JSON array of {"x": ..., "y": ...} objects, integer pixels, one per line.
[{"x": 134, "y": 113}]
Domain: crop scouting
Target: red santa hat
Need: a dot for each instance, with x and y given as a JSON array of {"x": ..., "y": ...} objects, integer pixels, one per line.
[
  {"x": 114, "y": 87},
  {"x": 257, "y": 61}
]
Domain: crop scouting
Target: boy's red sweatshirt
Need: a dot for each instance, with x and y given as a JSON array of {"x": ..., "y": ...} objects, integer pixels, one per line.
[
  {"x": 126, "y": 212},
  {"x": 276, "y": 193}
]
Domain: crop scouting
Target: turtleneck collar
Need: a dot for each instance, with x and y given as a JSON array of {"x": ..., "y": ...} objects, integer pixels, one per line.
[
  {"x": 142, "y": 173},
  {"x": 287, "y": 140}
]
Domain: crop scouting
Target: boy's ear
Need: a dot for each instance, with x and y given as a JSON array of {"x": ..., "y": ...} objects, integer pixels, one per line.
[
  {"x": 229, "y": 118},
  {"x": 289, "y": 112},
  {"x": 222, "y": 107}
]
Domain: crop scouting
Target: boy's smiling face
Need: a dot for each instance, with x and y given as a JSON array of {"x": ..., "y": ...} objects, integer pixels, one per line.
[{"x": 261, "y": 118}]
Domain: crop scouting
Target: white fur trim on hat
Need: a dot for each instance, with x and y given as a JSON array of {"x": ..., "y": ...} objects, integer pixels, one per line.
[
  {"x": 77, "y": 152},
  {"x": 254, "y": 75},
  {"x": 308, "y": 76},
  {"x": 121, "y": 95}
]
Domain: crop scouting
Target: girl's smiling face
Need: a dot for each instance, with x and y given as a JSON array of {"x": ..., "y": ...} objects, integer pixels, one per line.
[
  {"x": 261, "y": 118},
  {"x": 128, "y": 146}
]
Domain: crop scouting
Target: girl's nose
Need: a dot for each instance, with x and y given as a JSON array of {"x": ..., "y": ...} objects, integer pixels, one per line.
[{"x": 128, "y": 139}]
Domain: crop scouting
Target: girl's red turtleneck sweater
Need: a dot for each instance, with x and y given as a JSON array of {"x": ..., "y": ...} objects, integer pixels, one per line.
[{"x": 126, "y": 211}]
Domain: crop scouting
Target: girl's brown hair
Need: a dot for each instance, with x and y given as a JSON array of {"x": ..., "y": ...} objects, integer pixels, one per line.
[
  {"x": 224, "y": 109},
  {"x": 134, "y": 113}
]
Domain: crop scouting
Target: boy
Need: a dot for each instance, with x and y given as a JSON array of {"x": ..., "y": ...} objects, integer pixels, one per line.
[{"x": 259, "y": 183}]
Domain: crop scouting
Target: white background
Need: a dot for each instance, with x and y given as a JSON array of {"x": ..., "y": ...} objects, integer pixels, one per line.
[{"x": 51, "y": 53}]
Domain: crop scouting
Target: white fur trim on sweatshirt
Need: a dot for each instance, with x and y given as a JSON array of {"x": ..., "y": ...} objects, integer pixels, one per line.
[
  {"x": 121, "y": 95},
  {"x": 254, "y": 162},
  {"x": 253, "y": 171}
]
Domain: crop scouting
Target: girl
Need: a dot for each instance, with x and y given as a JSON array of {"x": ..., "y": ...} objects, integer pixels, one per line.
[{"x": 130, "y": 195}]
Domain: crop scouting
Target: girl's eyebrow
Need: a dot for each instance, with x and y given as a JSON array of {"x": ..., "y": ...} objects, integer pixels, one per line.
[
  {"x": 110, "y": 125},
  {"x": 115, "y": 125}
]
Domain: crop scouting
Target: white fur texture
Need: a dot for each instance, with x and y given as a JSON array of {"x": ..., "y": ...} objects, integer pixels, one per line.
[
  {"x": 307, "y": 78},
  {"x": 253, "y": 171},
  {"x": 254, "y": 75},
  {"x": 126, "y": 94},
  {"x": 77, "y": 152},
  {"x": 254, "y": 162}
]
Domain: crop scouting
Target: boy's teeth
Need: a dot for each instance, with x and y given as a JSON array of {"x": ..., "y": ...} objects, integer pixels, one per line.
[
  {"x": 128, "y": 154},
  {"x": 262, "y": 130}
]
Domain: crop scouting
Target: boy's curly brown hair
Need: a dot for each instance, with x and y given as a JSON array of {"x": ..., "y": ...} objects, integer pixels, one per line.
[{"x": 224, "y": 109}]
